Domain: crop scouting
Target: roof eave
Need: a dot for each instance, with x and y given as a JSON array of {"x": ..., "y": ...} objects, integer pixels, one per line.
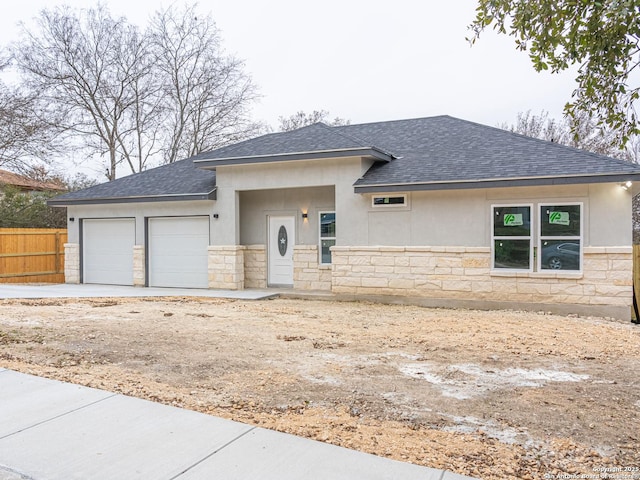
[
  {"x": 369, "y": 152},
  {"x": 138, "y": 199},
  {"x": 495, "y": 183}
]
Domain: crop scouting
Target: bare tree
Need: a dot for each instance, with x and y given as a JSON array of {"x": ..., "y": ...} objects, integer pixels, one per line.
[
  {"x": 84, "y": 63},
  {"x": 26, "y": 127},
  {"x": 301, "y": 119},
  {"x": 133, "y": 97},
  {"x": 580, "y": 131},
  {"x": 206, "y": 92}
]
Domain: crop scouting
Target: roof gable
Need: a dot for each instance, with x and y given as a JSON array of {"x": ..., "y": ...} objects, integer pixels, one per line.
[{"x": 310, "y": 142}]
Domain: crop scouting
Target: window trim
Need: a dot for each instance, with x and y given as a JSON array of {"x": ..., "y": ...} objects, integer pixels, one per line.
[
  {"x": 556, "y": 238},
  {"x": 321, "y": 238},
  {"x": 530, "y": 238},
  {"x": 404, "y": 204}
]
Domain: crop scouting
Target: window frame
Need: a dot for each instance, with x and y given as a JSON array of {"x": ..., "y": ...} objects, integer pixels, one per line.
[
  {"x": 530, "y": 237},
  {"x": 404, "y": 204},
  {"x": 542, "y": 238},
  {"x": 321, "y": 238}
]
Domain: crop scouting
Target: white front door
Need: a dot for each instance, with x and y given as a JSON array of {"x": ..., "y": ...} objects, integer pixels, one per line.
[{"x": 281, "y": 241}]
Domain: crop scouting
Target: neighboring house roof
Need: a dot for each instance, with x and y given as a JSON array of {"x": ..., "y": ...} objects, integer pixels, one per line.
[
  {"x": 25, "y": 183},
  {"x": 417, "y": 154}
]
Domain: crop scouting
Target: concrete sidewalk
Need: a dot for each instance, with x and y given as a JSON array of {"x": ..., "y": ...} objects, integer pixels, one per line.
[
  {"x": 51, "y": 430},
  {"x": 65, "y": 290}
]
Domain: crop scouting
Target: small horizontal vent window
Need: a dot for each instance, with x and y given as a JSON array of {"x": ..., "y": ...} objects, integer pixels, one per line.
[{"x": 395, "y": 201}]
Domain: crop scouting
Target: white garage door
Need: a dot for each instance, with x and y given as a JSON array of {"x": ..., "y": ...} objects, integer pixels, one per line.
[
  {"x": 178, "y": 252},
  {"x": 107, "y": 250}
]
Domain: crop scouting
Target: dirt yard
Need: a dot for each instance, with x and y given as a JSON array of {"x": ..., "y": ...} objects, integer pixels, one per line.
[{"x": 487, "y": 394}]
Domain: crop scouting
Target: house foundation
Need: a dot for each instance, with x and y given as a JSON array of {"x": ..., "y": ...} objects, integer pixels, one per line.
[{"x": 461, "y": 273}]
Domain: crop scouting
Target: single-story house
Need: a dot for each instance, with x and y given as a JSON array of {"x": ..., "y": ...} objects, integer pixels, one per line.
[{"x": 441, "y": 209}]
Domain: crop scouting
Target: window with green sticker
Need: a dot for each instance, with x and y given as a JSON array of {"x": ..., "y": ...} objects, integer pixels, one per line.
[
  {"x": 561, "y": 237},
  {"x": 511, "y": 235}
]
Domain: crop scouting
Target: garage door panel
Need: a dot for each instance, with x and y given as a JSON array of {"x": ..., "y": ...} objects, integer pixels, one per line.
[
  {"x": 178, "y": 251},
  {"x": 107, "y": 246}
]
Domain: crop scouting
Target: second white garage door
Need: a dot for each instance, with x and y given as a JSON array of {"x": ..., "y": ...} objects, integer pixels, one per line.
[{"x": 178, "y": 252}]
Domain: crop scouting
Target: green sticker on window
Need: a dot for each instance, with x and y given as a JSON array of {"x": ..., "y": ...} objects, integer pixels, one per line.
[
  {"x": 559, "y": 218},
  {"x": 512, "y": 219}
]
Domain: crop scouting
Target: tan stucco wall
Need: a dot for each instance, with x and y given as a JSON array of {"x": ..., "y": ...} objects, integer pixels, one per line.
[
  {"x": 138, "y": 211},
  {"x": 255, "y": 206},
  {"x": 350, "y": 208},
  {"x": 463, "y": 217}
]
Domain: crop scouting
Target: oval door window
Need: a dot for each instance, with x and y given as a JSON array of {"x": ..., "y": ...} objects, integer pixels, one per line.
[{"x": 282, "y": 241}]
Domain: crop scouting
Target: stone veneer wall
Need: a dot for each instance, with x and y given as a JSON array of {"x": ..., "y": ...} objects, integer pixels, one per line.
[
  {"x": 255, "y": 266},
  {"x": 308, "y": 274},
  {"x": 226, "y": 267},
  {"x": 464, "y": 273},
  {"x": 139, "y": 267},
  {"x": 72, "y": 263}
]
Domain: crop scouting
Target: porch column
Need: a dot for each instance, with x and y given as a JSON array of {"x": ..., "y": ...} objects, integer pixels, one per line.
[
  {"x": 139, "y": 278},
  {"x": 226, "y": 267},
  {"x": 72, "y": 263}
]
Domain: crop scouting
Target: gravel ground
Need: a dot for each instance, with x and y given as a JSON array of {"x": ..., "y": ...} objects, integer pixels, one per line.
[{"x": 494, "y": 395}]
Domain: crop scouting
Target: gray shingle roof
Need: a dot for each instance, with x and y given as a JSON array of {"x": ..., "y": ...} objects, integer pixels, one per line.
[
  {"x": 177, "y": 181},
  {"x": 423, "y": 153},
  {"x": 312, "y": 138},
  {"x": 313, "y": 141},
  {"x": 444, "y": 149}
]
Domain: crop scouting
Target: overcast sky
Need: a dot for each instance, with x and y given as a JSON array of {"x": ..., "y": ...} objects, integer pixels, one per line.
[{"x": 363, "y": 60}]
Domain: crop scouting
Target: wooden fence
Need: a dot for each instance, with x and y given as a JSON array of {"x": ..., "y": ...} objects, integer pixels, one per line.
[{"x": 32, "y": 255}]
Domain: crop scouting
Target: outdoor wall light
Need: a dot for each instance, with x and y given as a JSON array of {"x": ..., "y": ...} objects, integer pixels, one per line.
[
  {"x": 215, "y": 215},
  {"x": 305, "y": 216},
  {"x": 627, "y": 185},
  {"x": 72, "y": 219}
]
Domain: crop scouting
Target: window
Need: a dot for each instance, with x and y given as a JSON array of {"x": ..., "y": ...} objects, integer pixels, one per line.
[
  {"x": 389, "y": 201},
  {"x": 327, "y": 236},
  {"x": 511, "y": 237},
  {"x": 560, "y": 237}
]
